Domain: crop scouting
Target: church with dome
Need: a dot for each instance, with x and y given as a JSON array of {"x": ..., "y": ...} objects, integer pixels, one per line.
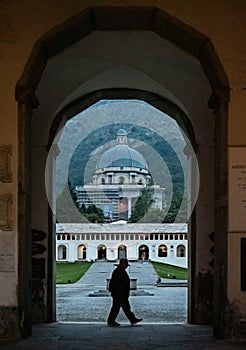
[{"x": 120, "y": 176}]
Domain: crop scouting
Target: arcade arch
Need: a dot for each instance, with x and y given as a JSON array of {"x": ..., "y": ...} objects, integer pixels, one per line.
[
  {"x": 143, "y": 252},
  {"x": 162, "y": 250},
  {"x": 189, "y": 58},
  {"x": 81, "y": 252},
  {"x": 101, "y": 252},
  {"x": 122, "y": 252},
  {"x": 62, "y": 252},
  {"x": 181, "y": 251}
]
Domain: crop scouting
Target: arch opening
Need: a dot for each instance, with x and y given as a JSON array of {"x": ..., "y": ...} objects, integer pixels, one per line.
[{"x": 220, "y": 94}]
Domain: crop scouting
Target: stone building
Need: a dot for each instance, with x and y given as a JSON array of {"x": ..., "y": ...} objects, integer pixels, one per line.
[
  {"x": 121, "y": 173},
  {"x": 186, "y": 58},
  {"x": 166, "y": 243}
]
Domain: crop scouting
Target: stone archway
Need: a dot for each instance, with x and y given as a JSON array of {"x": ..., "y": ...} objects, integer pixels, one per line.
[
  {"x": 81, "y": 252},
  {"x": 122, "y": 252},
  {"x": 143, "y": 252},
  {"x": 199, "y": 46},
  {"x": 102, "y": 252}
]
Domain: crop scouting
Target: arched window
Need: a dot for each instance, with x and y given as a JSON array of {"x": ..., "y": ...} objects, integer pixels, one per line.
[
  {"x": 121, "y": 180},
  {"x": 181, "y": 251},
  {"x": 162, "y": 251},
  {"x": 81, "y": 250},
  {"x": 103, "y": 181},
  {"x": 62, "y": 252}
]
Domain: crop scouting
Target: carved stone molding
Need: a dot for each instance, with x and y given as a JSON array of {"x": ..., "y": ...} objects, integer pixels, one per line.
[
  {"x": 5, "y": 164},
  {"x": 6, "y": 222}
]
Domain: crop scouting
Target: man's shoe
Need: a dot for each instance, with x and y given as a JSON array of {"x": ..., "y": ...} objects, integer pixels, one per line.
[
  {"x": 113, "y": 324},
  {"x": 137, "y": 320}
]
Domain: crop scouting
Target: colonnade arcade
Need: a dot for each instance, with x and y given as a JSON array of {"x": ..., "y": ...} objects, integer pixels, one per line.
[{"x": 143, "y": 252}]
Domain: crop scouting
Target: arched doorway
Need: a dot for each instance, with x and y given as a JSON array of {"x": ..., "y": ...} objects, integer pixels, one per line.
[
  {"x": 181, "y": 251},
  {"x": 62, "y": 252},
  {"x": 201, "y": 50},
  {"x": 122, "y": 252},
  {"x": 81, "y": 252},
  {"x": 162, "y": 251},
  {"x": 101, "y": 252},
  {"x": 143, "y": 252}
]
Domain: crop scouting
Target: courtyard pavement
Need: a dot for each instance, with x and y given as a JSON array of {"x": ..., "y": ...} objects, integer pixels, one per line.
[
  {"x": 82, "y": 318},
  {"x": 89, "y": 301}
]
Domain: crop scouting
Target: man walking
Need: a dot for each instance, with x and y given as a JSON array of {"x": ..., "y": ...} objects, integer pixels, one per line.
[{"x": 119, "y": 287}]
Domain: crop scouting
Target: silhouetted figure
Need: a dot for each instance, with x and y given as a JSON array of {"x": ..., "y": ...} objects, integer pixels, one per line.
[{"x": 119, "y": 286}]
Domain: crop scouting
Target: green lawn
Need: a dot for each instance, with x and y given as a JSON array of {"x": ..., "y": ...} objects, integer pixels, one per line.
[
  {"x": 170, "y": 271},
  {"x": 71, "y": 272}
]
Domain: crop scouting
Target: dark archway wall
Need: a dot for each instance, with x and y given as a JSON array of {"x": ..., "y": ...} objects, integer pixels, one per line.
[
  {"x": 102, "y": 60},
  {"x": 221, "y": 24}
]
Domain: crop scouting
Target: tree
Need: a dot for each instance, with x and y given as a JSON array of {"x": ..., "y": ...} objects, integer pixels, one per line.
[
  {"x": 92, "y": 213},
  {"x": 142, "y": 204},
  {"x": 67, "y": 210}
]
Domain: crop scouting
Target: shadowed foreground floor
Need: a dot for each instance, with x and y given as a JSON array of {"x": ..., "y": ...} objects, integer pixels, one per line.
[{"x": 98, "y": 336}]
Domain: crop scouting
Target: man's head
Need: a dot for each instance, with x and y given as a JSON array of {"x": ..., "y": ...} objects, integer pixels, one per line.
[{"x": 124, "y": 263}]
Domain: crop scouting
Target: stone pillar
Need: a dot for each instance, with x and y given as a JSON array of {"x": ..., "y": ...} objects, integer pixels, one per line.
[
  {"x": 129, "y": 207},
  {"x": 222, "y": 327},
  {"x": 24, "y": 224}
]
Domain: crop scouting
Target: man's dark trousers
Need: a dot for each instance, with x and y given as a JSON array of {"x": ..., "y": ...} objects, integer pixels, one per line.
[{"x": 125, "y": 305}]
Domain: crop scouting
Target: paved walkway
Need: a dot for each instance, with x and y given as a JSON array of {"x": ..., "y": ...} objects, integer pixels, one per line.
[
  {"x": 152, "y": 303},
  {"x": 98, "y": 273},
  {"x": 159, "y": 329}
]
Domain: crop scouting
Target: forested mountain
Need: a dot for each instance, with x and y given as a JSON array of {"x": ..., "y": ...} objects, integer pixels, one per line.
[
  {"x": 80, "y": 150},
  {"x": 152, "y": 133}
]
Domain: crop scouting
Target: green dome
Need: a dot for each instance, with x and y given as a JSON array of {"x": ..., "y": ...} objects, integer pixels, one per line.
[{"x": 122, "y": 156}]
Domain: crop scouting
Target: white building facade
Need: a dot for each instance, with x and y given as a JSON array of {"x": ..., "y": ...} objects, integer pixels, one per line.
[{"x": 166, "y": 243}]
